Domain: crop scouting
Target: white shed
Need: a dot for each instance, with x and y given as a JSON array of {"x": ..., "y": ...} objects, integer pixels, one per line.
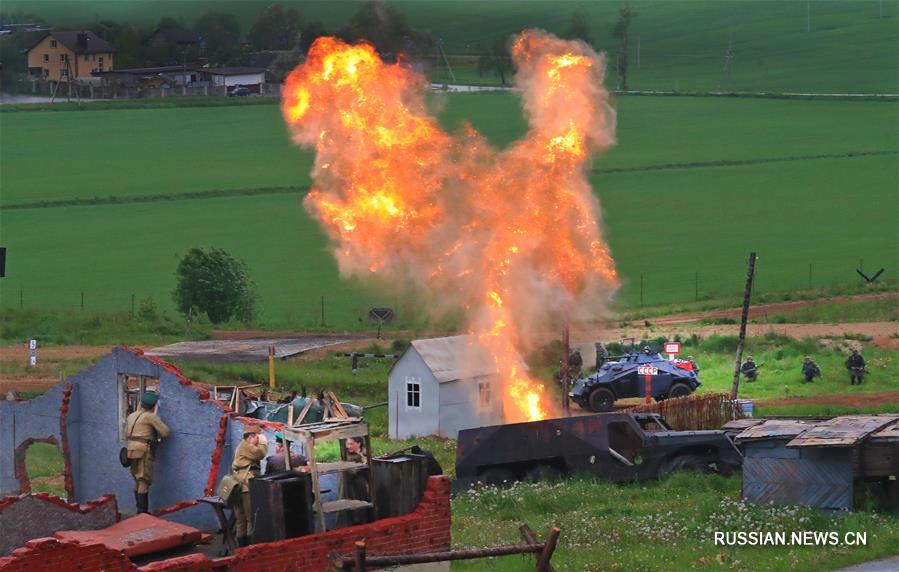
[
  {"x": 442, "y": 385},
  {"x": 235, "y": 76}
]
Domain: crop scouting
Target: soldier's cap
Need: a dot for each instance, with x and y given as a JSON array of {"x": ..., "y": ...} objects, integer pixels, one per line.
[
  {"x": 255, "y": 429},
  {"x": 149, "y": 399},
  {"x": 279, "y": 437}
]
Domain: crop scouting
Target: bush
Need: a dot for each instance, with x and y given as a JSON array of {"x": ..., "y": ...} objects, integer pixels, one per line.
[{"x": 212, "y": 282}]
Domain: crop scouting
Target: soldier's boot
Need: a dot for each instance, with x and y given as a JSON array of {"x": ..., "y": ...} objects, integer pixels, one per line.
[{"x": 143, "y": 503}]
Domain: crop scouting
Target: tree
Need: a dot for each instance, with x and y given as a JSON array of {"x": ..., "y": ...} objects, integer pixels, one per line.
[
  {"x": 496, "y": 60},
  {"x": 311, "y": 32},
  {"x": 275, "y": 29},
  {"x": 620, "y": 31},
  {"x": 212, "y": 282},
  {"x": 580, "y": 27},
  {"x": 387, "y": 29},
  {"x": 221, "y": 33}
]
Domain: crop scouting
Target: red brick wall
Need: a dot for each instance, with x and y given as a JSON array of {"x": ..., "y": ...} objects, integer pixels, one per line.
[
  {"x": 55, "y": 555},
  {"x": 425, "y": 530}
]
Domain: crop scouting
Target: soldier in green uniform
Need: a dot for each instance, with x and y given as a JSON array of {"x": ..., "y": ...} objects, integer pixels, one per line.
[
  {"x": 144, "y": 429},
  {"x": 246, "y": 466}
]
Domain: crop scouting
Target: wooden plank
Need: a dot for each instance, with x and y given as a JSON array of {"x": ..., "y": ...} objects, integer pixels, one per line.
[
  {"x": 339, "y": 466},
  {"x": 344, "y": 504},
  {"x": 335, "y": 404},
  {"x": 844, "y": 431},
  {"x": 775, "y": 429}
]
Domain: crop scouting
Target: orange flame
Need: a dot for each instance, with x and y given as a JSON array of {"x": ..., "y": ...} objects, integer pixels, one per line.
[{"x": 510, "y": 236}]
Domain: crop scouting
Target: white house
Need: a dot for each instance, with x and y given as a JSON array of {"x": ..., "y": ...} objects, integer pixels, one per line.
[
  {"x": 442, "y": 385},
  {"x": 235, "y": 76}
]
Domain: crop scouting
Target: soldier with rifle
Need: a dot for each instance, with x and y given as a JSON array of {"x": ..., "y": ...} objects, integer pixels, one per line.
[
  {"x": 856, "y": 366},
  {"x": 749, "y": 369},
  {"x": 810, "y": 369}
]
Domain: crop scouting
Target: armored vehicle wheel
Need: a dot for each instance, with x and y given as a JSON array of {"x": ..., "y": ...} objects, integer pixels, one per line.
[
  {"x": 679, "y": 390},
  {"x": 543, "y": 473},
  {"x": 497, "y": 476},
  {"x": 601, "y": 400},
  {"x": 685, "y": 463}
]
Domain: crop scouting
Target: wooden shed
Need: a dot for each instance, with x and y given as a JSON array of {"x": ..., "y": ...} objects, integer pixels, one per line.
[{"x": 821, "y": 463}]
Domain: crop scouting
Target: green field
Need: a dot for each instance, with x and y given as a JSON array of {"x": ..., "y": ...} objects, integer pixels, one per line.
[
  {"x": 692, "y": 186},
  {"x": 849, "y": 48}
]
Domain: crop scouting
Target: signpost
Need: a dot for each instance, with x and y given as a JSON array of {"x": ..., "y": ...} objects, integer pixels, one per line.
[
  {"x": 32, "y": 349},
  {"x": 672, "y": 349},
  {"x": 648, "y": 371}
]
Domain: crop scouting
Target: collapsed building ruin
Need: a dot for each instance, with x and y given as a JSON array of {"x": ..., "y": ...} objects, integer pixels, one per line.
[{"x": 84, "y": 418}]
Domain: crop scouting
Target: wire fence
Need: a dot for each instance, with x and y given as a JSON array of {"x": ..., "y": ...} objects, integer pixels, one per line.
[{"x": 329, "y": 309}]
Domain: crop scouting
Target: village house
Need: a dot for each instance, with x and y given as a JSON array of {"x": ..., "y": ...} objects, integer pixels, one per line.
[
  {"x": 443, "y": 385},
  {"x": 61, "y": 56}
]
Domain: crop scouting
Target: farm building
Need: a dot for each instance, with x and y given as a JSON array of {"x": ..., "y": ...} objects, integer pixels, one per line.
[
  {"x": 249, "y": 77},
  {"x": 440, "y": 386}
]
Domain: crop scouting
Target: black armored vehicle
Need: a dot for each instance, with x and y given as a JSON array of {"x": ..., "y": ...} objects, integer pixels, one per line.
[
  {"x": 626, "y": 377},
  {"x": 620, "y": 447}
]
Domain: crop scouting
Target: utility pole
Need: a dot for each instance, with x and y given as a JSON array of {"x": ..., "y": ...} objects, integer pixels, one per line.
[
  {"x": 566, "y": 348},
  {"x": 746, "y": 296},
  {"x": 638, "y": 47}
]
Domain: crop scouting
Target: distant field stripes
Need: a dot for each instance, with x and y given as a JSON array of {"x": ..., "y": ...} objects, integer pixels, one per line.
[{"x": 217, "y": 193}]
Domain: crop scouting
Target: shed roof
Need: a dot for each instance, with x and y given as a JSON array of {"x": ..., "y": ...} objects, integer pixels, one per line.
[
  {"x": 455, "y": 357},
  {"x": 232, "y": 70}
]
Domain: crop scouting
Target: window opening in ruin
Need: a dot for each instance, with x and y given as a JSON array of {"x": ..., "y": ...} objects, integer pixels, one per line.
[
  {"x": 624, "y": 440},
  {"x": 131, "y": 390},
  {"x": 46, "y": 469}
]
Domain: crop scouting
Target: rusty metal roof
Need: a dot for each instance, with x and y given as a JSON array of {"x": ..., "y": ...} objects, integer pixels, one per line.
[
  {"x": 741, "y": 424},
  {"x": 775, "y": 429},
  {"x": 844, "y": 431},
  {"x": 888, "y": 433}
]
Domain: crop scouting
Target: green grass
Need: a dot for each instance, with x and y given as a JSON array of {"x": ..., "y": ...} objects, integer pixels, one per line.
[
  {"x": 781, "y": 373},
  {"x": 45, "y": 465},
  {"x": 651, "y": 526},
  {"x": 682, "y": 44},
  {"x": 860, "y": 311},
  {"x": 711, "y": 215},
  {"x": 74, "y": 327}
]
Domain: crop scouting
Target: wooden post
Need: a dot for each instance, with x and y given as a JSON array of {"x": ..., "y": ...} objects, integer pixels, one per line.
[
  {"x": 747, "y": 294},
  {"x": 565, "y": 370},
  {"x": 648, "y": 389},
  {"x": 548, "y": 549},
  {"x": 271, "y": 366},
  {"x": 360, "y": 556}
]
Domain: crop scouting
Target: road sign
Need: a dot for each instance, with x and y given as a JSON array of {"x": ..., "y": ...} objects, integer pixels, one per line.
[
  {"x": 32, "y": 350},
  {"x": 672, "y": 347},
  {"x": 647, "y": 370}
]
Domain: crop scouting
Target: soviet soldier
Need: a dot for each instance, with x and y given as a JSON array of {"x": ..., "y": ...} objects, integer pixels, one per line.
[
  {"x": 810, "y": 369},
  {"x": 749, "y": 369},
  {"x": 693, "y": 364},
  {"x": 245, "y": 467},
  {"x": 144, "y": 429},
  {"x": 575, "y": 364},
  {"x": 856, "y": 366},
  {"x": 278, "y": 462}
]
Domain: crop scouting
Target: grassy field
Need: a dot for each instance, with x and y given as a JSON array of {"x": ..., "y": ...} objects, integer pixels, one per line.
[
  {"x": 712, "y": 173},
  {"x": 682, "y": 44},
  {"x": 666, "y": 525}
]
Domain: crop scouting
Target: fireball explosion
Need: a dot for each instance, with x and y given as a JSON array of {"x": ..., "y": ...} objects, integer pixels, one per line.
[{"x": 510, "y": 236}]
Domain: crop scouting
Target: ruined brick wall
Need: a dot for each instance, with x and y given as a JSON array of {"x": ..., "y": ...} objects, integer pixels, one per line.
[
  {"x": 36, "y": 516},
  {"x": 49, "y": 554},
  {"x": 425, "y": 530}
]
